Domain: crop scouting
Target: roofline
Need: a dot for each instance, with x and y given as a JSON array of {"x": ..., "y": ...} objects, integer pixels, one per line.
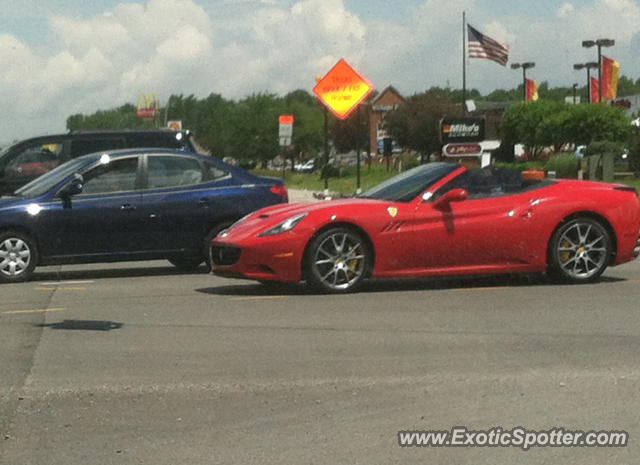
[
  {"x": 123, "y": 131},
  {"x": 389, "y": 88}
]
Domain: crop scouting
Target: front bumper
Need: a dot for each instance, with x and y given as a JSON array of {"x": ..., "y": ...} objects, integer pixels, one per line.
[{"x": 277, "y": 258}]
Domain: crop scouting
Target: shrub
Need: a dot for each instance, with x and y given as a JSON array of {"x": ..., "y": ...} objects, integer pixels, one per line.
[
  {"x": 522, "y": 166},
  {"x": 329, "y": 171},
  {"x": 564, "y": 164},
  {"x": 604, "y": 147},
  {"x": 634, "y": 151},
  {"x": 408, "y": 161}
]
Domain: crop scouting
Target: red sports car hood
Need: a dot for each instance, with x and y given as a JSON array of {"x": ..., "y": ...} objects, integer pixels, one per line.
[
  {"x": 290, "y": 209},
  {"x": 271, "y": 216}
]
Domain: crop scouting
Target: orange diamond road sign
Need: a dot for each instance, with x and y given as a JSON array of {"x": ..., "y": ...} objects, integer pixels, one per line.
[{"x": 342, "y": 89}]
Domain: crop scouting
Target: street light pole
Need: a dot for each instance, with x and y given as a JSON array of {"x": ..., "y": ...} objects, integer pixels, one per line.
[
  {"x": 525, "y": 66},
  {"x": 574, "y": 92},
  {"x": 588, "y": 66},
  {"x": 599, "y": 43},
  {"x": 166, "y": 110}
]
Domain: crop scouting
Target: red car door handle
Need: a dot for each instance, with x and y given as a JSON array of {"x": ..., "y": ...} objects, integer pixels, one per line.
[{"x": 528, "y": 210}]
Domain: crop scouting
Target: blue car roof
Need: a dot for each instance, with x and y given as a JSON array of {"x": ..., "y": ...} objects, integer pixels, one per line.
[{"x": 120, "y": 153}]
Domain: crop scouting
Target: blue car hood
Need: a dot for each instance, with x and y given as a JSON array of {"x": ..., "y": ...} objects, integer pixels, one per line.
[{"x": 8, "y": 202}]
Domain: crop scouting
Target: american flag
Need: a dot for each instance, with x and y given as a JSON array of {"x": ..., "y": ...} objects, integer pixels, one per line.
[{"x": 481, "y": 46}]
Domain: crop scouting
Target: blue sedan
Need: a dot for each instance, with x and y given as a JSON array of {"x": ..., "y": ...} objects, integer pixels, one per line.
[{"x": 127, "y": 205}]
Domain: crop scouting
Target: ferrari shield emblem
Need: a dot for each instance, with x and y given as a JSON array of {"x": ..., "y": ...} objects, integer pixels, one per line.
[{"x": 393, "y": 211}]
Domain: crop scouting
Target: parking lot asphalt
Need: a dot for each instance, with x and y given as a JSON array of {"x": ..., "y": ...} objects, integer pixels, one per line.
[{"x": 139, "y": 363}]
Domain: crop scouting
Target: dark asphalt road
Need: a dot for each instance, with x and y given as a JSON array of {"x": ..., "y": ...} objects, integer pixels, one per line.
[{"x": 137, "y": 363}]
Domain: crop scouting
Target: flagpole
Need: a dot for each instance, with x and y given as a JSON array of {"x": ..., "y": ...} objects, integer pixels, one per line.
[{"x": 464, "y": 65}]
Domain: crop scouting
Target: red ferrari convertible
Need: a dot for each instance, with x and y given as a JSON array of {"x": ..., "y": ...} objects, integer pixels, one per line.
[{"x": 438, "y": 219}]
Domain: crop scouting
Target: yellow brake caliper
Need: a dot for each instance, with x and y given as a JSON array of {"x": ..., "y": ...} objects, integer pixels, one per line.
[
  {"x": 353, "y": 263},
  {"x": 565, "y": 254}
]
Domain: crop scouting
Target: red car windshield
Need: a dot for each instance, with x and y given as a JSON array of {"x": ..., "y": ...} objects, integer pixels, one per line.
[{"x": 408, "y": 185}]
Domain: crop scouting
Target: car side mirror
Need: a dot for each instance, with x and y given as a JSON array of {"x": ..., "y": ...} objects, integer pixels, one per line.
[
  {"x": 73, "y": 188},
  {"x": 454, "y": 195}
]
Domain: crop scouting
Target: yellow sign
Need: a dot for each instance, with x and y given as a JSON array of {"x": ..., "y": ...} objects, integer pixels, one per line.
[{"x": 342, "y": 89}]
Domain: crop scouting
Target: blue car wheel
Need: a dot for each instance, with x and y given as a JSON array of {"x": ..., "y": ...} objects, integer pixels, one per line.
[{"x": 18, "y": 256}]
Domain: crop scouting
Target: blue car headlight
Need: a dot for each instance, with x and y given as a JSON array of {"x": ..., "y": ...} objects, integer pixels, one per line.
[{"x": 286, "y": 225}]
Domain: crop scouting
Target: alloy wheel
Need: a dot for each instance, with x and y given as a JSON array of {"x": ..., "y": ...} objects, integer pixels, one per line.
[
  {"x": 339, "y": 260},
  {"x": 582, "y": 250}
]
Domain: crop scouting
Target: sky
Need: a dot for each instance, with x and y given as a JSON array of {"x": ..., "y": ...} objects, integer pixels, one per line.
[{"x": 62, "y": 57}]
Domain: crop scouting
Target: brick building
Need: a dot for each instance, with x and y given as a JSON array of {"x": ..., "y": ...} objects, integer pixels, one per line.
[{"x": 388, "y": 100}]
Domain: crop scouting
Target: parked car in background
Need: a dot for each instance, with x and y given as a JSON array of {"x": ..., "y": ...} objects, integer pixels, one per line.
[
  {"x": 307, "y": 167},
  {"x": 127, "y": 205},
  {"x": 24, "y": 161},
  {"x": 279, "y": 163}
]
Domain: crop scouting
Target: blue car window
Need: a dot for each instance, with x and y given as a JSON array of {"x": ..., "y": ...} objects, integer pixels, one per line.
[
  {"x": 50, "y": 179},
  {"x": 168, "y": 171},
  {"x": 213, "y": 172},
  {"x": 115, "y": 176}
]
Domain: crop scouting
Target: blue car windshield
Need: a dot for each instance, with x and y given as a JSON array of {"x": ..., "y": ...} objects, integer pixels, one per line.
[
  {"x": 408, "y": 185},
  {"x": 48, "y": 180}
]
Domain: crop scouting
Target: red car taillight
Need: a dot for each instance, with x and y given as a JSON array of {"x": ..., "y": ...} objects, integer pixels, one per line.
[{"x": 281, "y": 190}]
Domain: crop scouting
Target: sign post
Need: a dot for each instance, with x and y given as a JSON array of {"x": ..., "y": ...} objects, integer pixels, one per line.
[
  {"x": 285, "y": 133},
  {"x": 285, "y": 129},
  {"x": 341, "y": 90}
]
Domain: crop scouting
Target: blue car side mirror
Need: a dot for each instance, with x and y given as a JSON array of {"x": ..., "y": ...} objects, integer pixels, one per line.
[{"x": 73, "y": 188}]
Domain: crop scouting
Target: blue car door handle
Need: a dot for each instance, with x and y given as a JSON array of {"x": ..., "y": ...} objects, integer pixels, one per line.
[
  {"x": 203, "y": 202},
  {"x": 127, "y": 207}
]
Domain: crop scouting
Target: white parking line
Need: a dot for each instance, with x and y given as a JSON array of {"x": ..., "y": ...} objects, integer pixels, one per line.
[
  {"x": 56, "y": 288},
  {"x": 63, "y": 283},
  {"x": 262, "y": 297}
]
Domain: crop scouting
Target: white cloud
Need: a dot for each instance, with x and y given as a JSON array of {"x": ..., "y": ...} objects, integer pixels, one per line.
[
  {"x": 236, "y": 48},
  {"x": 171, "y": 46},
  {"x": 565, "y": 10}
]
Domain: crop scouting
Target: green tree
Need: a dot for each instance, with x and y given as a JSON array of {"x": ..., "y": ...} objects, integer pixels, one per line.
[
  {"x": 123, "y": 117},
  {"x": 308, "y": 126},
  {"x": 634, "y": 150},
  {"x": 597, "y": 122},
  {"x": 254, "y": 128},
  {"x": 528, "y": 123},
  {"x": 352, "y": 132},
  {"x": 416, "y": 124},
  {"x": 551, "y": 123}
]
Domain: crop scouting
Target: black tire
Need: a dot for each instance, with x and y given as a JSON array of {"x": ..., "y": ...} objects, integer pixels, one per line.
[
  {"x": 192, "y": 263},
  {"x": 186, "y": 263},
  {"x": 206, "y": 243},
  {"x": 580, "y": 251},
  {"x": 18, "y": 256},
  {"x": 337, "y": 261}
]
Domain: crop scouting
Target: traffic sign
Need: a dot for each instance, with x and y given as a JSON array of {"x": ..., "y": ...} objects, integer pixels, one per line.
[
  {"x": 286, "y": 126},
  {"x": 342, "y": 89}
]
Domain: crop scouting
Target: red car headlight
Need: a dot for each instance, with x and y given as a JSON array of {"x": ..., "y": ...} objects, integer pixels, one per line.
[{"x": 286, "y": 225}]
